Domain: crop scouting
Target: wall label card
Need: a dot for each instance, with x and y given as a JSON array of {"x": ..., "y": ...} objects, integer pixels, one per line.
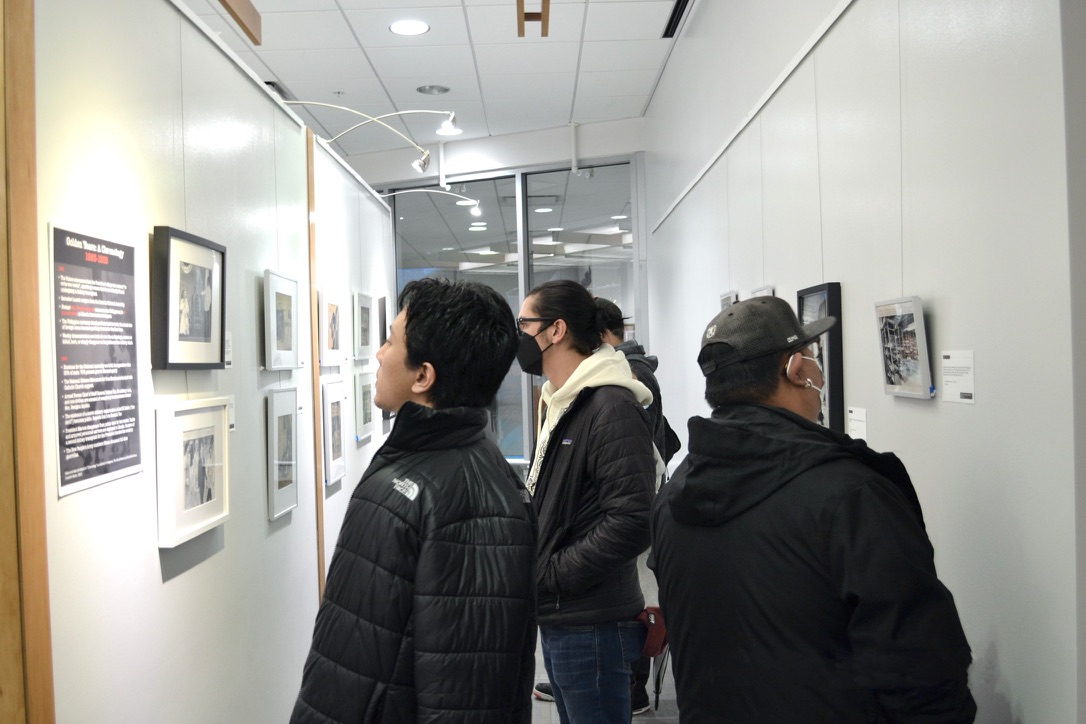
[
  {"x": 94, "y": 304},
  {"x": 958, "y": 382}
]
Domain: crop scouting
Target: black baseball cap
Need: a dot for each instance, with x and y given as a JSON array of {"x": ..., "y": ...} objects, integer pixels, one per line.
[{"x": 754, "y": 328}]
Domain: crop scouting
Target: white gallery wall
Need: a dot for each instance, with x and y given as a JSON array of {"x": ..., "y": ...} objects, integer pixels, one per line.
[
  {"x": 143, "y": 121},
  {"x": 919, "y": 147}
]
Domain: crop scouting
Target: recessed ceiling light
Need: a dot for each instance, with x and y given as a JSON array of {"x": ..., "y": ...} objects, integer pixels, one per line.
[
  {"x": 409, "y": 27},
  {"x": 556, "y": 228},
  {"x": 546, "y": 242},
  {"x": 447, "y": 248},
  {"x": 478, "y": 223},
  {"x": 466, "y": 202},
  {"x": 432, "y": 90},
  {"x": 617, "y": 217},
  {"x": 476, "y": 228},
  {"x": 487, "y": 252},
  {"x": 544, "y": 210}
]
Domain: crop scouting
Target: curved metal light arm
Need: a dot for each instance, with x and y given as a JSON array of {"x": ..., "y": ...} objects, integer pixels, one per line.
[
  {"x": 450, "y": 114},
  {"x": 369, "y": 119},
  {"x": 474, "y": 208}
]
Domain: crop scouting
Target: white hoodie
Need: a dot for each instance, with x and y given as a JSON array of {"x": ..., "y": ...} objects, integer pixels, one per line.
[{"x": 605, "y": 366}]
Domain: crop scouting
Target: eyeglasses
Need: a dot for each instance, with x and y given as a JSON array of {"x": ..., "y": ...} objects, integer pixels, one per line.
[{"x": 522, "y": 320}]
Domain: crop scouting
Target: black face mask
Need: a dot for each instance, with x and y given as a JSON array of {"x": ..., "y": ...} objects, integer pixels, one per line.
[{"x": 529, "y": 355}]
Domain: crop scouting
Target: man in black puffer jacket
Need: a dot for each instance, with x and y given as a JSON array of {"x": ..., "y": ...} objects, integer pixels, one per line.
[
  {"x": 429, "y": 611},
  {"x": 796, "y": 576}
]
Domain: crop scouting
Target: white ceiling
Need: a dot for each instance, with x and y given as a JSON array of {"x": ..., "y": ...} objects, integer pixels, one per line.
[{"x": 600, "y": 62}]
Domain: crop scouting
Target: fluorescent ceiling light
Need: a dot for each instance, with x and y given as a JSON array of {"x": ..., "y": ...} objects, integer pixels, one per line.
[
  {"x": 545, "y": 242},
  {"x": 409, "y": 27},
  {"x": 544, "y": 210},
  {"x": 478, "y": 223},
  {"x": 617, "y": 217},
  {"x": 476, "y": 228},
  {"x": 556, "y": 228},
  {"x": 447, "y": 248},
  {"x": 466, "y": 202}
]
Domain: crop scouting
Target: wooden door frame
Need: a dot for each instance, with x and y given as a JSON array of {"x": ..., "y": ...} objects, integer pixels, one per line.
[{"x": 26, "y": 670}]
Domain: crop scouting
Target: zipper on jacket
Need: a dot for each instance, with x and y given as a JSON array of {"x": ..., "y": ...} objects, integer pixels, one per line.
[{"x": 557, "y": 601}]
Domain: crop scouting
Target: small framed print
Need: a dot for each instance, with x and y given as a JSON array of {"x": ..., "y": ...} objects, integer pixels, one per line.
[
  {"x": 766, "y": 291},
  {"x": 280, "y": 322},
  {"x": 728, "y": 298},
  {"x": 814, "y": 303},
  {"x": 330, "y": 319},
  {"x": 335, "y": 461},
  {"x": 193, "y": 474},
  {"x": 363, "y": 406},
  {"x": 363, "y": 334},
  {"x": 188, "y": 322},
  {"x": 282, "y": 452},
  {"x": 906, "y": 367}
]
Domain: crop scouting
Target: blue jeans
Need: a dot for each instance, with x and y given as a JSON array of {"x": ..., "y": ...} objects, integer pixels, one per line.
[{"x": 589, "y": 669}]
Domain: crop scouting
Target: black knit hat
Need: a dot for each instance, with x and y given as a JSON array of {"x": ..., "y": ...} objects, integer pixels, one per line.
[{"x": 753, "y": 328}]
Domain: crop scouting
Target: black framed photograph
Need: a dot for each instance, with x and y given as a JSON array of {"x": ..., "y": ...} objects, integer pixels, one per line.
[
  {"x": 903, "y": 342},
  {"x": 280, "y": 322},
  {"x": 814, "y": 303},
  {"x": 282, "y": 451},
  {"x": 382, "y": 322},
  {"x": 192, "y": 465},
  {"x": 188, "y": 313},
  {"x": 363, "y": 407}
]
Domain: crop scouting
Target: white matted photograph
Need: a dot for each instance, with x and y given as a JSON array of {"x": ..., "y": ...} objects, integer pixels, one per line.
[
  {"x": 728, "y": 298},
  {"x": 282, "y": 452},
  {"x": 363, "y": 406},
  {"x": 335, "y": 460},
  {"x": 330, "y": 317},
  {"x": 193, "y": 475},
  {"x": 363, "y": 329},
  {"x": 280, "y": 321},
  {"x": 906, "y": 369}
]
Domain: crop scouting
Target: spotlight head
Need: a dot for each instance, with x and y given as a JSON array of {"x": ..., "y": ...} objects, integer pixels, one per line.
[
  {"x": 423, "y": 163},
  {"x": 448, "y": 126},
  {"x": 475, "y": 210}
]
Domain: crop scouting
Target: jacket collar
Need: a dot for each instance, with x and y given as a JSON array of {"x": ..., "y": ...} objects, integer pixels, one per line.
[{"x": 423, "y": 428}]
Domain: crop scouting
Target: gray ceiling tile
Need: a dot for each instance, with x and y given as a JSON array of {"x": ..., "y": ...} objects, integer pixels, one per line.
[
  {"x": 626, "y": 20},
  {"x": 295, "y": 65},
  {"x": 527, "y": 57},
  {"x": 420, "y": 62},
  {"x": 307, "y": 30},
  {"x": 624, "y": 54},
  {"x": 617, "y": 83}
]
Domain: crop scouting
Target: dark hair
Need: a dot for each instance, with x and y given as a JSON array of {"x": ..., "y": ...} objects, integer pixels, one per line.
[
  {"x": 753, "y": 380},
  {"x": 466, "y": 331},
  {"x": 569, "y": 301},
  {"x": 611, "y": 317}
]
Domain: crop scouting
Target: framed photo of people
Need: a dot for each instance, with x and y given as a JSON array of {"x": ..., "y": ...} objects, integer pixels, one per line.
[
  {"x": 818, "y": 302},
  {"x": 330, "y": 318},
  {"x": 903, "y": 342},
  {"x": 335, "y": 452},
  {"x": 280, "y": 322},
  {"x": 282, "y": 451},
  {"x": 192, "y": 451},
  {"x": 363, "y": 328},
  {"x": 188, "y": 312}
]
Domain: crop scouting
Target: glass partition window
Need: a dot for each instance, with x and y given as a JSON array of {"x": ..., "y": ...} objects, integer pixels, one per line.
[
  {"x": 436, "y": 236},
  {"x": 578, "y": 226}
]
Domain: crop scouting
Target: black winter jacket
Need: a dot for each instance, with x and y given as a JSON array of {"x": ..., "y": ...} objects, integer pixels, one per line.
[
  {"x": 429, "y": 610},
  {"x": 593, "y": 497},
  {"x": 798, "y": 582},
  {"x": 644, "y": 369}
]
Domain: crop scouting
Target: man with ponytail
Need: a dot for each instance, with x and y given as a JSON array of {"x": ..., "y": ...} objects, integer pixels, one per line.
[{"x": 592, "y": 479}]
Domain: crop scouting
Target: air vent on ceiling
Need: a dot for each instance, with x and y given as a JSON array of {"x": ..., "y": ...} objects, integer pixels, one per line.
[{"x": 676, "y": 18}]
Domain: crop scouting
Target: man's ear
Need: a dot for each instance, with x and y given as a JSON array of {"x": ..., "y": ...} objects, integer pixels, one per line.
[
  {"x": 425, "y": 377},
  {"x": 792, "y": 369},
  {"x": 559, "y": 329}
]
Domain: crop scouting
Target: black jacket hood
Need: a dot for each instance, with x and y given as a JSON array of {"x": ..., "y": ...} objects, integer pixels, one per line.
[
  {"x": 764, "y": 449},
  {"x": 423, "y": 428}
]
